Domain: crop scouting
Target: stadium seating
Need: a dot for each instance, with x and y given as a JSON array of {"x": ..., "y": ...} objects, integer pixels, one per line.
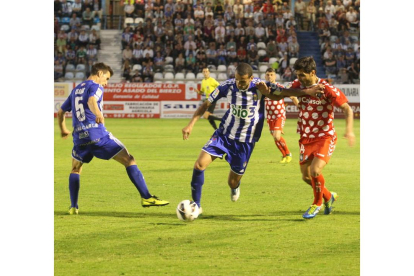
[
  {"x": 292, "y": 61},
  {"x": 169, "y": 76},
  {"x": 139, "y": 20},
  {"x": 222, "y": 77},
  {"x": 263, "y": 76},
  {"x": 79, "y": 75},
  {"x": 273, "y": 60},
  {"x": 69, "y": 75},
  {"x": 263, "y": 68},
  {"x": 128, "y": 21},
  {"x": 221, "y": 68},
  {"x": 70, "y": 68},
  {"x": 200, "y": 76},
  {"x": 80, "y": 67},
  {"x": 179, "y": 76},
  {"x": 158, "y": 76},
  {"x": 278, "y": 78},
  {"x": 137, "y": 67},
  {"x": 261, "y": 45},
  {"x": 169, "y": 60},
  {"x": 213, "y": 75},
  {"x": 190, "y": 76}
]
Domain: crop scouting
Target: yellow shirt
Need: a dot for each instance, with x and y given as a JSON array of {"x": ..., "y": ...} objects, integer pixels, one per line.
[{"x": 208, "y": 86}]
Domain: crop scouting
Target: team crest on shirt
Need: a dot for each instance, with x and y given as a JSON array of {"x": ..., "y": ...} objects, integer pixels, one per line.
[{"x": 255, "y": 97}]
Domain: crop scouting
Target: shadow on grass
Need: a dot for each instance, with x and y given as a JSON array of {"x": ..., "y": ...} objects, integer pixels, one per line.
[{"x": 279, "y": 216}]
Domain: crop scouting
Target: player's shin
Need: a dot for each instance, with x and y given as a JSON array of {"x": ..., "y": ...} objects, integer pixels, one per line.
[
  {"x": 74, "y": 185},
  {"x": 197, "y": 185},
  {"x": 318, "y": 185},
  {"x": 138, "y": 179}
]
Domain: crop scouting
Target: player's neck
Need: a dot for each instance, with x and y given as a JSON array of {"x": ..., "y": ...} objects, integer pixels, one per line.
[{"x": 94, "y": 79}]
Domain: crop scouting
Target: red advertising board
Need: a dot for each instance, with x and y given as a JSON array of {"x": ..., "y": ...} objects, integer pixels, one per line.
[
  {"x": 169, "y": 100},
  {"x": 150, "y": 92}
]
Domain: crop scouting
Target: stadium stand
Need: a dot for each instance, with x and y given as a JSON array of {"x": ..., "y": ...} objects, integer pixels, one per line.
[{"x": 187, "y": 29}]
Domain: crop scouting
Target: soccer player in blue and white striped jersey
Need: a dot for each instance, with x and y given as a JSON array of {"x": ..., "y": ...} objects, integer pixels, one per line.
[
  {"x": 240, "y": 127},
  {"x": 92, "y": 139}
]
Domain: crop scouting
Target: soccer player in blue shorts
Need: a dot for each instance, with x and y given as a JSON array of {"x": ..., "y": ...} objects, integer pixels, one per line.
[
  {"x": 240, "y": 127},
  {"x": 90, "y": 137}
]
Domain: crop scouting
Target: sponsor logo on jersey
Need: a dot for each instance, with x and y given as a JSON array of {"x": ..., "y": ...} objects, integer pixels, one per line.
[
  {"x": 83, "y": 135},
  {"x": 239, "y": 112},
  {"x": 311, "y": 101},
  {"x": 215, "y": 93}
]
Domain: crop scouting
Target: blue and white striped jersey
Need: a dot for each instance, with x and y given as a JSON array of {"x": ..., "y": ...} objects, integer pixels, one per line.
[{"x": 244, "y": 120}]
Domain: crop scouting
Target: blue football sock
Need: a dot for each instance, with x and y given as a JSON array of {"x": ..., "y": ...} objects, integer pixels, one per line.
[
  {"x": 74, "y": 184},
  {"x": 138, "y": 179},
  {"x": 197, "y": 185}
]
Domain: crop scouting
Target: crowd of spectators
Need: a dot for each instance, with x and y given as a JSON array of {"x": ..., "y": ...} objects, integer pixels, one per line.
[
  {"x": 193, "y": 34},
  {"x": 337, "y": 24},
  {"x": 76, "y": 36}
]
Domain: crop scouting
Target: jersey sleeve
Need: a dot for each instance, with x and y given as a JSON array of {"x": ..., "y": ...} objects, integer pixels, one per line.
[
  {"x": 95, "y": 91},
  {"x": 294, "y": 84},
  {"x": 219, "y": 92},
  {"x": 67, "y": 105},
  {"x": 337, "y": 96}
]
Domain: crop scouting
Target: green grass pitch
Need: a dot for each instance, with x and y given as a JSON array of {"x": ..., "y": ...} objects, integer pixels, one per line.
[{"x": 263, "y": 233}]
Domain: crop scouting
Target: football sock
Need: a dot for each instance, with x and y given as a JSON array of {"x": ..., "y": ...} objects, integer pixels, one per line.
[
  {"x": 212, "y": 117},
  {"x": 280, "y": 147},
  {"x": 212, "y": 123},
  {"x": 326, "y": 195},
  {"x": 74, "y": 184},
  {"x": 284, "y": 145},
  {"x": 138, "y": 179},
  {"x": 197, "y": 185},
  {"x": 318, "y": 185}
]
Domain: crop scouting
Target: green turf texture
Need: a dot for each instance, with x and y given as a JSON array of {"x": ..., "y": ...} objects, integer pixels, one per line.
[{"x": 263, "y": 233}]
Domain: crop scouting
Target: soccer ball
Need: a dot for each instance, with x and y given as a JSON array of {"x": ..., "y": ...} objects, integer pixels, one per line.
[{"x": 187, "y": 210}]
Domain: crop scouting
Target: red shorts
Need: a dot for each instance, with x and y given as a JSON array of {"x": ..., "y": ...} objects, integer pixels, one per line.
[
  {"x": 276, "y": 124},
  {"x": 321, "y": 148}
]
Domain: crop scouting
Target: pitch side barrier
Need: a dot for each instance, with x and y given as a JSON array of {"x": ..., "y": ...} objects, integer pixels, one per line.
[{"x": 173, "y": 100}]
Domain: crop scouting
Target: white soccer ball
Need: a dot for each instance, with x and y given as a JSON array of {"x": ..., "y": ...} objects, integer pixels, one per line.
[{"x": 187, "y": 210}]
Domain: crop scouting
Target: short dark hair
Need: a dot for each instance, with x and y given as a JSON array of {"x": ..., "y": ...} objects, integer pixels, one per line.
[
  {"x": 100, "y": 66},
  {"x": 270, "y": 70},
  {"x": 306, "y": 64},
  {"x": 244, "y": 69}
]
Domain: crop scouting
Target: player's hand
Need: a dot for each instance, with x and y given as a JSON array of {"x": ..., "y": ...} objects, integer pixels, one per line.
[
  {"x": 186, "y": 132},
  {"x": 351, "y": 138},
  {"x": 263, "y": 88},
  {"x": 100, "y": 119},
  {"x": 65, "y": 134},
  {"x": 316, "y": 90}
]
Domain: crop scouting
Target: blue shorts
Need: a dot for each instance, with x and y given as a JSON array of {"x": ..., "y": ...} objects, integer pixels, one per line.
[
  {"x": 237, "y": 153},
  {"x": 103, "y": 148}
]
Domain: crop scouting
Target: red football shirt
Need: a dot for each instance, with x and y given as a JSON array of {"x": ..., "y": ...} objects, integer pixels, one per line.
[{"x": 316, "y": 114}]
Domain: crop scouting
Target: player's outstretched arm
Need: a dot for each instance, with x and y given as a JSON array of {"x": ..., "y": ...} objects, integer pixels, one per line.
[
  {"x": 64, "y": 132},
  {"x": 349, "y": 121},
  {"x": 93, "y": 106},
  {"x": 197, "y": 114},
  {"x": 314, "y": 91}
]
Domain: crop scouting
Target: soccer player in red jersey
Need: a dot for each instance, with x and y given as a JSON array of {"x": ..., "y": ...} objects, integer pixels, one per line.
[
  {"x": 317, "y": 133},
  {"x": 276, "y": 117}
]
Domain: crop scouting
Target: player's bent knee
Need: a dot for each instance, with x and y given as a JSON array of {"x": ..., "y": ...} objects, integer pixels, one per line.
[{"x": 199, "y": 166}]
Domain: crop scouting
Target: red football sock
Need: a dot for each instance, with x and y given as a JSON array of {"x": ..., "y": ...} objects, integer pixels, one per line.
[
  {"x": 280, "y": 147},
  {"x": 319, "y": 190},
  {"x": 284, "y": 145}
]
